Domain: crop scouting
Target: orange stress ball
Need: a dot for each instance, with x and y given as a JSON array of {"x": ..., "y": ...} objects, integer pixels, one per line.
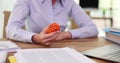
[{"x": 52, "y": 28}]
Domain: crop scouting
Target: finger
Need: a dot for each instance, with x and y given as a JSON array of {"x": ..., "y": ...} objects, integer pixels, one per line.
[
  {"x": 44, "y": 30},
  {"x": 46, "y": 36},
  {"x": 48, "y": 43},
  {"x": 50, "y": 39}
]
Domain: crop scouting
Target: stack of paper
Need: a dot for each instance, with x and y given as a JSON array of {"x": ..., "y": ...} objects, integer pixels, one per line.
[
  {"x": 8, "y": 46},
  {"x": 3, "y": 56},
  {"x": 53, "y": 55}
]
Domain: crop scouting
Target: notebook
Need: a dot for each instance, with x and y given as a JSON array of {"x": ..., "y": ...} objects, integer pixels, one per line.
[
  {"x": 115, "y": 29},
  {"x": 112, "y": 36},
  {"x": 51, "y": 55},
  {"x": 8, "y": 46},
  {"x": 109, "y": 52}
]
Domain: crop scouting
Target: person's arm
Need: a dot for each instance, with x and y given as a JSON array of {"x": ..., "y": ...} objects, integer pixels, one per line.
[
  {"x": 63, "y": 35},
  {"x": 43, "y": 38},
  {"x": 86, "y": 27},
  {"x": 17, "y": 21}
]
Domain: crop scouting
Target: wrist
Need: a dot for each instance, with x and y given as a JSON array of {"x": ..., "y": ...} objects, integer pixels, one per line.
[
  {"x": 67, "y": 35},
  {"x": 35, "y": 38}
]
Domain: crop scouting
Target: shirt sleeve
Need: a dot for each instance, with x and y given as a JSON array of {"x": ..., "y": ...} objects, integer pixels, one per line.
[
  {"x": 86, "y": 27},
  {"x": 17, "y": 21}
]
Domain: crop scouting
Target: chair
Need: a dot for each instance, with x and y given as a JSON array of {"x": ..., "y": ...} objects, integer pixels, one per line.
[
  {"x": 6, "y": 18},
  {"x": 73, "y": 24}
]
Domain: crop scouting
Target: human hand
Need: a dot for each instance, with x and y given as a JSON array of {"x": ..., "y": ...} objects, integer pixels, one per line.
[
  {"x": 47, "y": 36},
  {"x": 63, "y": 35},
  {"x": 44, "y": 39}
]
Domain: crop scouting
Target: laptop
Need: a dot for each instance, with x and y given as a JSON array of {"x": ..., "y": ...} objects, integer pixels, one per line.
[{"x": 109, "y": 52}]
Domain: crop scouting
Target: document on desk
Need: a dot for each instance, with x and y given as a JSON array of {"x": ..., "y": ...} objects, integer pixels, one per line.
[
  {"x": 3, "y": 56},
  {"x": 8, "y": 46},
  {"x": 51, "y": 55}
]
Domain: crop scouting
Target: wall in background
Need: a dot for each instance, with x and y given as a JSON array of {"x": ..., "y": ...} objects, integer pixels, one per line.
[
  {"x": 114, "y": 4},
  {"x": 0, "y": 18}
]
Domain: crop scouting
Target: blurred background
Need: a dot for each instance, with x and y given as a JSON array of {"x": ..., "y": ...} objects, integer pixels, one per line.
[{"x": 104, "y": 13}]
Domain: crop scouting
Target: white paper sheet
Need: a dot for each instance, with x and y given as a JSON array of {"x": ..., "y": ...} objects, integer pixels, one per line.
[
  {"x": 8, "y": 46},
  {"x": 3, "y": 56},
  {"x": 51, "y": 55}
]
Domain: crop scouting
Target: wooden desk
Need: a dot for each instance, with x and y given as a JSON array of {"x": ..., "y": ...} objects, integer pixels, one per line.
[{"x": 78, "y": 44}]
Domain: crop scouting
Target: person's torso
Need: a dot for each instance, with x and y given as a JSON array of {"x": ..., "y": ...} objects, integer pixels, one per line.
[{"x": 42, "y": 13}]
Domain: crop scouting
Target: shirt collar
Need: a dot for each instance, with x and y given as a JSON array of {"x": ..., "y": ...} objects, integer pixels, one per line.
[{"x": 61, "y": 1}]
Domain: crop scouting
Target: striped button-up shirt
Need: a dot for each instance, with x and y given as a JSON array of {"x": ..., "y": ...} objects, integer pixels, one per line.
[{"x": 40, "y": 13}]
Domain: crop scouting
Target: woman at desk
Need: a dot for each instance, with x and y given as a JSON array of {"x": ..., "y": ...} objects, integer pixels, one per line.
[{"x": 41, "y": 13}]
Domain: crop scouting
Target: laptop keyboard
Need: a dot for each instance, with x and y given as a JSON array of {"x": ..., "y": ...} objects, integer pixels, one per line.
[
  {"x": 114, "y": 56},
  {"x": 108, "y": 52}
]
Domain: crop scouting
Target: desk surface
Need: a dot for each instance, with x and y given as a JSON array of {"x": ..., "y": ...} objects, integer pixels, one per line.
[{"x": 78, "y": 44}]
